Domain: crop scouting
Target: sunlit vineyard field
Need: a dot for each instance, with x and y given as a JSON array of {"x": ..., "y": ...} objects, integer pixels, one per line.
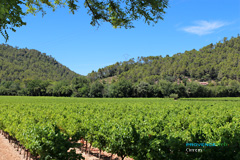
[{"x": 142, "y": 128}]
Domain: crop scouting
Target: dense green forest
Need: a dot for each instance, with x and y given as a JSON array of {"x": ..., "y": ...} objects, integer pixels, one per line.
[
  {"x": 213, "y": 62},
  {"x": 25, "y": 64},
  {"x": 29, "y": 72}
]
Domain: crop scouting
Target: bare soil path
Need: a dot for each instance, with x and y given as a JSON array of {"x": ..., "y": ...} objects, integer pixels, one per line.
[{"x": 7, "y": 151}]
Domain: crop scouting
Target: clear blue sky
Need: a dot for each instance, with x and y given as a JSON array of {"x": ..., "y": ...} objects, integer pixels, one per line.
[{"x": 71, "y": 40}]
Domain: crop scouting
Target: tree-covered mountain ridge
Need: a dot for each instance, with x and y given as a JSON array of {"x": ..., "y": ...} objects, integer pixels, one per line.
[
  {"x": 216, "y": 62},
  {"x": 31, "y": 73},
  {"x": 25, "y": 64}
]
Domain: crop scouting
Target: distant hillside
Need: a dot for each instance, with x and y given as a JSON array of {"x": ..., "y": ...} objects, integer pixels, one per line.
[
  {"x": 213, "y": 62},
  {"x": 23, "y": 64}
]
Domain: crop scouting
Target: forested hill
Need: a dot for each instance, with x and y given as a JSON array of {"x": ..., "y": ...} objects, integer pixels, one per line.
[
  {"x": 213, "y": 62},
  {"x": 24, "y": 64}
]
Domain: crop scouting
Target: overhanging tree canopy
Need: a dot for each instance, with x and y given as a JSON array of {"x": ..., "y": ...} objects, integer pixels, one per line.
[{"x": 119, "y": 13}]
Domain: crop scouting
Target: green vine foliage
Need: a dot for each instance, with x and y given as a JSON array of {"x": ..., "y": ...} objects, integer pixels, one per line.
[{"x": 139, "y": 128}]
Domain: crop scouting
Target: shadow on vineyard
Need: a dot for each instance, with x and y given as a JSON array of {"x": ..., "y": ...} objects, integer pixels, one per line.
[
  {"x": 169, "y": 148},
  {"x": 228, "y": 148}
]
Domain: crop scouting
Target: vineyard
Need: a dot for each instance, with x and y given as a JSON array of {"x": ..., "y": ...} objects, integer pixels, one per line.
[{"x": 144, "y": 129}]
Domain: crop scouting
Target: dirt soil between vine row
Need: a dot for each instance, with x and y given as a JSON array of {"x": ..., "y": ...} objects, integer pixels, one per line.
[{"x": 8, "y": 152}]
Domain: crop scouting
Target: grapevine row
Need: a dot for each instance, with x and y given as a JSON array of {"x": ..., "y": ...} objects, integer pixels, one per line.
[{"x": 138, "y": 128}]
